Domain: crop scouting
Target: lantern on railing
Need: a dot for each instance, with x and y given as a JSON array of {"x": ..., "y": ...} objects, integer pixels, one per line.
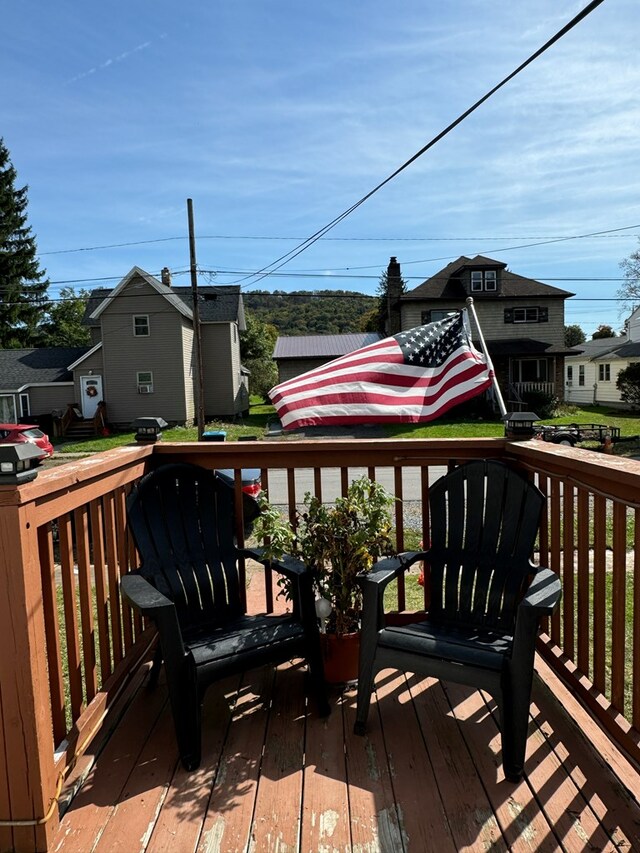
[
  {"x": 18, "y": 463},
  {"x": 519, "y": 425},
  {"x": 149, "y": 429}
]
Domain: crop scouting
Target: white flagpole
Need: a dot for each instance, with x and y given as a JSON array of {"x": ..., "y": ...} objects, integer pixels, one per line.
[{"x": 492, "y": 373}]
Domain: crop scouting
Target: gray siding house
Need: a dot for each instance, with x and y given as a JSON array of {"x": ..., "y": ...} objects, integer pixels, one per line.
[
  {"x": 143, "y": 363},
  {"x": 142, "y": 358},
  {"x": 36, "y": 382},
  {"x": 522, "y": 319}
]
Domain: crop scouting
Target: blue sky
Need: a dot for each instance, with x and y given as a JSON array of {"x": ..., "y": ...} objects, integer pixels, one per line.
[{"x": 277, "y": 116}]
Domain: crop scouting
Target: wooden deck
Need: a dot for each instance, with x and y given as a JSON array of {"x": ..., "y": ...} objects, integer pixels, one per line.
[{"x": 275, "y": 777}]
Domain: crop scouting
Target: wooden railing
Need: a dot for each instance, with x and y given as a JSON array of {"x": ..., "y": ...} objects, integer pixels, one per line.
[{"x": 69, "y": 647}]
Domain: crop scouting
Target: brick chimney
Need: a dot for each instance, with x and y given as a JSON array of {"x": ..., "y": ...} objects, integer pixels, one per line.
[
  {"x": 394, "y": 292},
  {"x": 166, "y": 276}
]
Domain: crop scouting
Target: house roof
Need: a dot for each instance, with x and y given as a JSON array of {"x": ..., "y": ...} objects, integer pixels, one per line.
[
  {"x": 322, "y": 346},
  {"x": 217, "y": 304},
  {"x": 598, "y": 348},
  {"x": 446, "y": 284},
  {"x": 20, "y": 367},
  {"x": 524, "y": 346},
  {"x": 157, "y": 285}
]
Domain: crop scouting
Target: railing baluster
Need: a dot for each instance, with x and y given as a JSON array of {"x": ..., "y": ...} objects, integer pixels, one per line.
[
  {"x": 52, "y": 631},
  {"x": 599, "y": 592},
  {"x": 399, "y": 513},
  {"x": 618, "y": 605},
  {"x": 583, "y": 581},
  {"x": 70, "y": 623},
  {"x": 86, "y": 602},
  {"x": 555, "y": 550},
  {"x": 100, "y": 575},
  {"x": 635, "y": 666},
  {"x": 568, "y": 570},
  {"x": 112, "y": 574}
]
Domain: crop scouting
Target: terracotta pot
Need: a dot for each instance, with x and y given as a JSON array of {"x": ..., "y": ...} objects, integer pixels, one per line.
[{"x": 340, "y": 654}]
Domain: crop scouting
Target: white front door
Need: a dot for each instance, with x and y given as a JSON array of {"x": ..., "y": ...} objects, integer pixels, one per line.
[{"x": 90, "y": 394}]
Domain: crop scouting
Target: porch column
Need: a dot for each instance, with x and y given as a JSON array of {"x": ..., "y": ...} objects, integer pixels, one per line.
[{"x": 27, "y": 775}]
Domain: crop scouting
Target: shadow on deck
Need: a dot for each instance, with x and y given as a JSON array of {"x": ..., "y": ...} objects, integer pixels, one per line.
[{"x": 275, "y": 777}]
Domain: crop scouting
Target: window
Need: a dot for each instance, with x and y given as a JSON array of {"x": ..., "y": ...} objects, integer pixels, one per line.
[
  {"x": 604, "y": 373},
  {"x": 581, "y": 374},
  {"x": 434, "y": 316},
  {"x": 529, "y": 370},
  {"x": 25, "y": 411},
  {"x": 145, "y": 382},
  {"x": 570, "y": 375},
  {"x": 526, "y": 315},
  {"x": 483, "y": 280},
  {"x": 141, "y": 326},
  {"x": 7, "y": 408}
]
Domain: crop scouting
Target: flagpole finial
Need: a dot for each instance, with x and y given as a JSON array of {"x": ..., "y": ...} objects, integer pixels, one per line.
[{"x": 469, "y": 300}]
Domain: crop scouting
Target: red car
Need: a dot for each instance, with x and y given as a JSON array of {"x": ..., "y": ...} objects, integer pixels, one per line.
[{"x": 23, "y": 433}]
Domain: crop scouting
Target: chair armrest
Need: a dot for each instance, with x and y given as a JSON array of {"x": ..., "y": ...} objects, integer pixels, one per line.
[
  {"x": 543, "y": 594},
  {"x": 286, "y": 565},
  {"x": 142, "y": 595},
  {"x": 384, "y": 571}
]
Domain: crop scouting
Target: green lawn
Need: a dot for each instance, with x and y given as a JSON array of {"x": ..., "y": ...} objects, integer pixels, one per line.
[{"x": 261, "y": 413}]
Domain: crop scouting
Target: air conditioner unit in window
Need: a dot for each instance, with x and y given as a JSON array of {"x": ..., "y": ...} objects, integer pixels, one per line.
[{"x": 145, "y": 389}]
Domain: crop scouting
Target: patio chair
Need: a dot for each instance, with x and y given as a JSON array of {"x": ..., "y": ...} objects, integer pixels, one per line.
[
  {"x": 486, "y": 599},
  {"x": 181, "y": 518}
]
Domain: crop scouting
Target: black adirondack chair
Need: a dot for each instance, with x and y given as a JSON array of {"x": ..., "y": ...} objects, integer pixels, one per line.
[
  {"x": 181, "y": 517},
  {"x": 487, "y": 599}
]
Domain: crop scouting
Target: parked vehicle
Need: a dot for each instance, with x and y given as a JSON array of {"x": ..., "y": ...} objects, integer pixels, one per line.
[
  {"x": 26, "y": 433},
  {"x": 251, "y": 484},
  {"x": 572, "y": 434}
]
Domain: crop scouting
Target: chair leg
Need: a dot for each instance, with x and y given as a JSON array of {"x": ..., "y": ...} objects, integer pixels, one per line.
[
  {"x": 186, "y": 701},
  {"x": 366, "y": 677},
  {"x": 514, "y": 717},
  {"x": 156, "y": 666},
  {"x": 318, "y": 684}
]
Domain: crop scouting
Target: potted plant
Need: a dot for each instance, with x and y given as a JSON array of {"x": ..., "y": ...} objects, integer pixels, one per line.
[{"x": 338, "y": 541}]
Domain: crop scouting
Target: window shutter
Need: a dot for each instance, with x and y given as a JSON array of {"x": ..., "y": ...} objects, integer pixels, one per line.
[
  {"x": 508, "y": 315},
  {"x": 543, "y": 315}
]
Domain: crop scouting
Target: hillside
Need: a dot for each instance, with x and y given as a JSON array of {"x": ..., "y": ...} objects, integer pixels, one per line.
[{"x": 305, "y": 312}]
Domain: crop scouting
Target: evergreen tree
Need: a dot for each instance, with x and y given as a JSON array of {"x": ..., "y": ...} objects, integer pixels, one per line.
[{"x": 23, "y": 285}]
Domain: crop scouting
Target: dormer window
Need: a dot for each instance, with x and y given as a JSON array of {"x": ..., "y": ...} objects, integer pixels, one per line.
[{"x": 483, "y": 280}]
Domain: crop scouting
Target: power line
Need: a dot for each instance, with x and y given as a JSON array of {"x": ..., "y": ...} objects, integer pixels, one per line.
[
  {"x": 284, "y": 259},
  {"x": 613, "y": 232}
]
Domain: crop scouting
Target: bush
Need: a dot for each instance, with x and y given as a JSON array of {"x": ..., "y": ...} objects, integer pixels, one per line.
[
  {"x": 543, "y": 404},
  {"x": 628, "y": 383}
]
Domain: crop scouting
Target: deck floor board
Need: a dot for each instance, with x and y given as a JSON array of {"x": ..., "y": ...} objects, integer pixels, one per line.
[{"x": 426, "y": 776}]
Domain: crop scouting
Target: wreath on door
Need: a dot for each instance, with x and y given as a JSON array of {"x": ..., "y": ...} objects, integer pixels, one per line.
[{"x": 92, "y": 391}]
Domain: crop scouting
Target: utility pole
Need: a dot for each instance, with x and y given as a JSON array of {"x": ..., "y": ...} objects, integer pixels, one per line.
[{"x": 196, "y": 323}]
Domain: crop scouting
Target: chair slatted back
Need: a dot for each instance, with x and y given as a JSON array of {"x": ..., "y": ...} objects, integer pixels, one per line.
[
  {"x": 484, "y": 522},
  {"x": 181, "y": 517}
]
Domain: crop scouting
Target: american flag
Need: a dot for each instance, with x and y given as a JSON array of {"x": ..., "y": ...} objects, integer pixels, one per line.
[{"x": 410, "y": 377}]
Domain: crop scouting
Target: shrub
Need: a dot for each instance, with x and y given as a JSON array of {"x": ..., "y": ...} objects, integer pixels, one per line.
[{"x": 628, "y": 383}]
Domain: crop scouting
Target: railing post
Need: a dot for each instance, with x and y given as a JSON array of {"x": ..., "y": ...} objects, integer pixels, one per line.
[{"x": 27, "y": 776}]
